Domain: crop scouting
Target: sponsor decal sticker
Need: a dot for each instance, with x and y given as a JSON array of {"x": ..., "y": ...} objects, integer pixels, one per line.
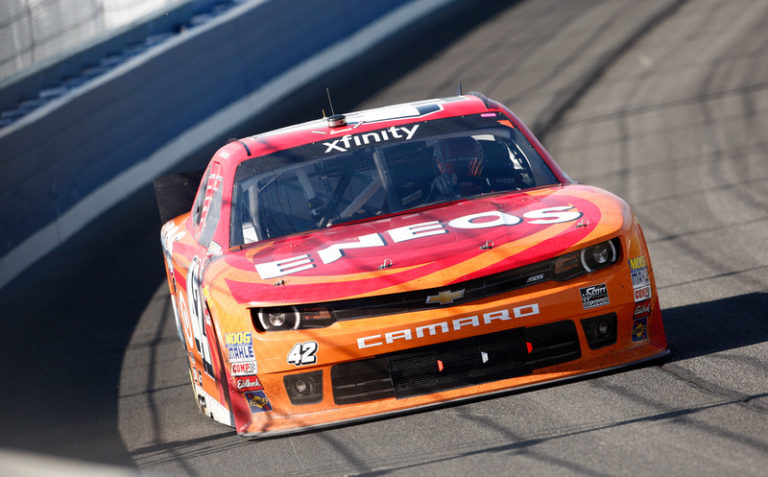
[
  {"x": 639, "y": 273},
  {"x": 246, "y": 368},
  {"x": 637, "y": 263},
  {"x": 481, "y": 220},
  {"x": 197, "y": 376},
  {"x": 640, "y": 329},
  {"x": 248, "y": 383},
  {"x": 198, "y": 311},
  {"x": 641, "y": 282},
  {"x": 258, "y": 401},
  {"x": 303, "y": 354},
  {"x": 594, "y": 296},
  {"x": 344, "y": 143},
  {"x": 642, "y": 308},
  {"x": 642, "y": 294},
  {"x": 239, "y": 346}
]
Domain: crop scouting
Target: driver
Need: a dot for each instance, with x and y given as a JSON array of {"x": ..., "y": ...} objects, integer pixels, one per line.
[{"x": 460, "y": 162}]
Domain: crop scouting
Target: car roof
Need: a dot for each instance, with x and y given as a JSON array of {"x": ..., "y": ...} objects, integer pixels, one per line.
[
  {"x": 354, "y": 123},
  {"x": 321, "y": 132}
]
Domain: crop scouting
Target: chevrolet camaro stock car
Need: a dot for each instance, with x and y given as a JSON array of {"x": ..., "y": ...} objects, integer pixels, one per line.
[{"x": 397, "y": 258}]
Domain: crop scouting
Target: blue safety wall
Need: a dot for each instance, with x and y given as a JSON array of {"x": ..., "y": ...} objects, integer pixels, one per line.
[{"x": 58, "y": 154}]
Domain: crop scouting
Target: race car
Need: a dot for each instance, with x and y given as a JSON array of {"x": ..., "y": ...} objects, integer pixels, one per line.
[{"x": 392, "y": 259}]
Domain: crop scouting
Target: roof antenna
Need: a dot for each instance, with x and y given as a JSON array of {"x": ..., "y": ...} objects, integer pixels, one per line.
[
  {"x": 334, "y": 120},
  {"x": 330, "y": 103},
  {"x": 459, "y": 91}
]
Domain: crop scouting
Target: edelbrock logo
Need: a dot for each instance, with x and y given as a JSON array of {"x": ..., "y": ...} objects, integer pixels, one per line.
[
  {"x": 347, "y": 141},
  {"x": 249, "y": 383},
  {"x": 642, "y": 308}
]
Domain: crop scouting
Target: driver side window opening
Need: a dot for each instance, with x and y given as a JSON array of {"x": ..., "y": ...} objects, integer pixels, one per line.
[
  {"x": 207, "y": 206},
  {"x": 197, "y": 206}
]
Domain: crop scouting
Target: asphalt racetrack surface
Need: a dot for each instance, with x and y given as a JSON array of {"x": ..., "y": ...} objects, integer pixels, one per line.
[{"x": 663, "y": 102}]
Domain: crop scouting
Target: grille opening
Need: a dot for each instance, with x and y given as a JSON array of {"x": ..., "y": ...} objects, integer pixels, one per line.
[
  {"x": 459, "y": 363},
  {"x": 455, "y": 364},
  {"x": 553, "y": 344},
  {"x": 361, "y": 381}
]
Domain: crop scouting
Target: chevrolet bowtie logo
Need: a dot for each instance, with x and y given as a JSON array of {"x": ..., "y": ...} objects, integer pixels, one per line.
[{"x": 445, "y": 297}]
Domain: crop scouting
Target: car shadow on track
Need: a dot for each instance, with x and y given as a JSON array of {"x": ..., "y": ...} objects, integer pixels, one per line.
[{"x": 709, "y": 327}]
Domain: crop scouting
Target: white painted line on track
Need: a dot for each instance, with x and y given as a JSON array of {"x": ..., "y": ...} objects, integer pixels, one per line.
[{"x": 27, "y": 464}]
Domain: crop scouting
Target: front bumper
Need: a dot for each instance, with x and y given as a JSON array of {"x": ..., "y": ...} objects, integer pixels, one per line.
[
  {"x": 367, "y": 371},
  {"x": 436, "y": 402}
]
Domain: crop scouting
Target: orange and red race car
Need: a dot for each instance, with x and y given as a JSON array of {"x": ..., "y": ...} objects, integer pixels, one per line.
[{"x": 397, "y": 258}]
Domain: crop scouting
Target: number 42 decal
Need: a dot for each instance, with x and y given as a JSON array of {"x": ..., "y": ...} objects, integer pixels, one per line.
[{"x": 303, "y": 353}]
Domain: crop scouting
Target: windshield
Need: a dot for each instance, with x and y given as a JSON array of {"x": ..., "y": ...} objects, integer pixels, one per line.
[{"x": 391, "y": 170}]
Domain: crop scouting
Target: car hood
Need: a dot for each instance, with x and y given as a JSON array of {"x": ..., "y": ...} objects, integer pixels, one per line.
[{"x": 429, "y": 248}]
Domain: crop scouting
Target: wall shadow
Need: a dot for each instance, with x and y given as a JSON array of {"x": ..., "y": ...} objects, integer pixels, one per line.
[
  {"x": 68, "y": 319},
  {"x": 67, "y": 323}
]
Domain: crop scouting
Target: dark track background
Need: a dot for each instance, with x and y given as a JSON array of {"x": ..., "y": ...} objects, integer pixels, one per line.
[{"x": 662, "y": 102}]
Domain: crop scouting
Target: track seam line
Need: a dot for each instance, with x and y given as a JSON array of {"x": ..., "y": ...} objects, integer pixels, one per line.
[
  {"x": 544, "y": 127},
  {"x": 671, "y": 104},
  {"x": 712, "y": 388}
]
